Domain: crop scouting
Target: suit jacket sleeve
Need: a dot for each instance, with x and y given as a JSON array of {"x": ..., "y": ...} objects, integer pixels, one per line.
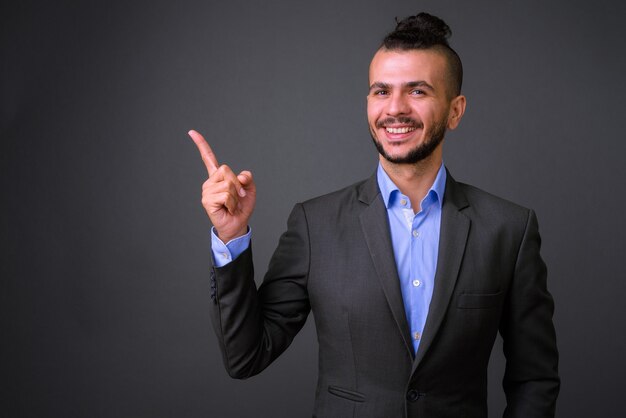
[
  {"x": 254, "y": 327},
  {"x": 531, "y": 380}
]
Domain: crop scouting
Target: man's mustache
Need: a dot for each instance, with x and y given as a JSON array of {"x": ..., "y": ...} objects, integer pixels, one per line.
[{"x": 403, "y": 120}]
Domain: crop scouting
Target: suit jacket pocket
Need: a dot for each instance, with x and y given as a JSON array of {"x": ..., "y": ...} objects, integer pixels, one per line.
[
  {"x": 479, "y": 300},
  {"x": 346, "y": 394}
]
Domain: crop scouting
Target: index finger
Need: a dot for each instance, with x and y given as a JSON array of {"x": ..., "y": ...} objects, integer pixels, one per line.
[{"x": 210, "y": 161}]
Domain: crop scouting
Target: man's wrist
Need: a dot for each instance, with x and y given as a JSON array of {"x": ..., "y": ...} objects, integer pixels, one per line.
[{"x": 228, "y": 238}]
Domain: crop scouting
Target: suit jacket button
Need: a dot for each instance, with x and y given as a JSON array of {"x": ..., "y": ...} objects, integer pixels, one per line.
[{"x": 412, "y": 395}]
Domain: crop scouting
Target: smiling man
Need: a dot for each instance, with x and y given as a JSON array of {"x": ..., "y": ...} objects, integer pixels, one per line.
[{"x": 409, "y": 274}]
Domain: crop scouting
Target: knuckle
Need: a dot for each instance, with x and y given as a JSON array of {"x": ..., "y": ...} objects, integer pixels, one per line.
[{"x": 225, "y": 197}]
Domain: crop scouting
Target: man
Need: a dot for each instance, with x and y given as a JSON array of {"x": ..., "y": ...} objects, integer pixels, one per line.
[{"x": 409, "y": 274}]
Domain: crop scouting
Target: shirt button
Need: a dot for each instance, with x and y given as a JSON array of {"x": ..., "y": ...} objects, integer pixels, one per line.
[
  {"x": 416, "y": 336},
  {"x": 415, "y": 233},
  {"x": 416, "y": 283},
  {"x": 403, "y": 202},
  {"x": 226, "y": 255}
]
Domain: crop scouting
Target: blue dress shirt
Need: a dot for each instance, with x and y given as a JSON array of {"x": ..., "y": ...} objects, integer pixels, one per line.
[{"x": 415, "y": 241}]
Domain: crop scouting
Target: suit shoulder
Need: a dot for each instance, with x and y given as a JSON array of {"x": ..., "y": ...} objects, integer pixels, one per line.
[
  {"x": 336, "y": 199},
  {"x": 480, "y": 196},
  {"x": 492, "y": 208}
]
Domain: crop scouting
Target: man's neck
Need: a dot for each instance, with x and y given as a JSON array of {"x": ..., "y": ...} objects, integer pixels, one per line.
[{"x": 414, "y": 180}]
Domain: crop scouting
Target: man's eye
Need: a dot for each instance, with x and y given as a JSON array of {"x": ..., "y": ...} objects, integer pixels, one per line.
[
  {"x": 417, "y": 92},
  {"x": 380, "y": 93}
]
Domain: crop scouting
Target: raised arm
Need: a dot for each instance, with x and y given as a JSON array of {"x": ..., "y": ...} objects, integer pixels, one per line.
[{"x": 252, "y": 327}]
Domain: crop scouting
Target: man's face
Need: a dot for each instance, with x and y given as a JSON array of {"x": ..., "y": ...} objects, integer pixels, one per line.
[{"x": 409, "y": 105}]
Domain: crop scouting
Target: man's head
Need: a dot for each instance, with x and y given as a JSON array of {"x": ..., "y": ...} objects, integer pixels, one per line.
[{"x": 414, "y": 97}]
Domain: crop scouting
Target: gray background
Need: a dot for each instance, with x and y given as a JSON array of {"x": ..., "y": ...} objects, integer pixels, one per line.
[{"x": 105, "y": 245}]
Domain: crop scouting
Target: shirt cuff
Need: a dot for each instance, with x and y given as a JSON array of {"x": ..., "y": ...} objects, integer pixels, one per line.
[{"x": 225, "y": 253}]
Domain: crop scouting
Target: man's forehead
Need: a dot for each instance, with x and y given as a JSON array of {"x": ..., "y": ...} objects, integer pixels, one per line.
[{"x": 414, "y": 64}]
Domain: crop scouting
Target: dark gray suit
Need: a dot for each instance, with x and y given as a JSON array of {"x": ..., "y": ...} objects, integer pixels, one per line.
[{"x": 336, "y": 259}]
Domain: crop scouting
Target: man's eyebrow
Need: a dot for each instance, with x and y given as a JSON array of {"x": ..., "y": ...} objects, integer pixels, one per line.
[
  {"x": 409, "y": 84},
  {"x": 420, "y": 83},
  {"x": 380, "y": 85}
]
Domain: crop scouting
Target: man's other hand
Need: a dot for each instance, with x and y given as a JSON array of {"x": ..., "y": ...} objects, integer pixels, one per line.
[{"x": 227, "y": 198}]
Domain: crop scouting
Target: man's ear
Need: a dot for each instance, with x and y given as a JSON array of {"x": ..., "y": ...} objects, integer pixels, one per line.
[{"x": 457, "y": 109}]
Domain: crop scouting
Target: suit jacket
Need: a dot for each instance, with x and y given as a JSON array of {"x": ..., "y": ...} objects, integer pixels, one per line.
[{"x": 336, "y": 260}]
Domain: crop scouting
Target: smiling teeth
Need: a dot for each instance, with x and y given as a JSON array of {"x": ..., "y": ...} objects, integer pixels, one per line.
[{"x": 399, "y": 130}]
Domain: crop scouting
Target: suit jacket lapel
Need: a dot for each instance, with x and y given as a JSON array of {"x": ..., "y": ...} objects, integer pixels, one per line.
[
  {"x": 452, "y": 239},
  {"x": 375, "y": 225}
]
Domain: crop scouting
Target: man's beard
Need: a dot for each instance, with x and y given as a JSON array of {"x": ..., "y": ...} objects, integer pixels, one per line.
[{"x": 421, "y": 151}]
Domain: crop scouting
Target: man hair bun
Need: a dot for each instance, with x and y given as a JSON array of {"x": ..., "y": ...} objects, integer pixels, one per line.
[{"x": 423, "y": 28}]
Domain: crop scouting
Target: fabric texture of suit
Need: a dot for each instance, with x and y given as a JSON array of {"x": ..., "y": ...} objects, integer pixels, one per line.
[{"x": 336, "y": 260}]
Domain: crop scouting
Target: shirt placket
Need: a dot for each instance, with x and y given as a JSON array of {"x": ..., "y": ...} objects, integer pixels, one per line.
[{"x": 416, "y": 280}]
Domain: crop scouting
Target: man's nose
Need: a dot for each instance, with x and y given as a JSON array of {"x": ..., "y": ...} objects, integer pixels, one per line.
[{"x": 398, "y": 105}]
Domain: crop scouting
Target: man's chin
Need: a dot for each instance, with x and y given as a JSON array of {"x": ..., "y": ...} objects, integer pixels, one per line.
[
  {"x": 397, "y": 154},
  {"x": 407, "y": 156},
  {"x": 394, "y": 156},
  {"x": 398, "y": 159}
]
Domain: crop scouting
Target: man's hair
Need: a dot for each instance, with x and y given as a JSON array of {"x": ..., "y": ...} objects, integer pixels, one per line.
[{"x": 425, "y": 31}]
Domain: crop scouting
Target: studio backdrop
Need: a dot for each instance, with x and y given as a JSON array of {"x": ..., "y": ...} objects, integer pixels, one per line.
[{"x": 105, "y": 245}]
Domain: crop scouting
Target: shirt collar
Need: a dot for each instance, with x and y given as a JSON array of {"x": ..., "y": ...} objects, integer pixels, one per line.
[{"x": 389, "y": 190}]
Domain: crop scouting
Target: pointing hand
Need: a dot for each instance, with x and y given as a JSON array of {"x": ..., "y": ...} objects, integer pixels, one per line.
[{"x": 227, "y": 198}]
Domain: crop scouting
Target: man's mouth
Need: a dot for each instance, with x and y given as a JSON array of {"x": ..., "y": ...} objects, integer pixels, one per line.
[
  {"x": 399, "y": 126},
  {"x": 402, "y": 130}
]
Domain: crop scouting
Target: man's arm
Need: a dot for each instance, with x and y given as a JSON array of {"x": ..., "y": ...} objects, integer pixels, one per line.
[
  {"x": 531, "y": 380},
  {"x": 254, "y": 327}
]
